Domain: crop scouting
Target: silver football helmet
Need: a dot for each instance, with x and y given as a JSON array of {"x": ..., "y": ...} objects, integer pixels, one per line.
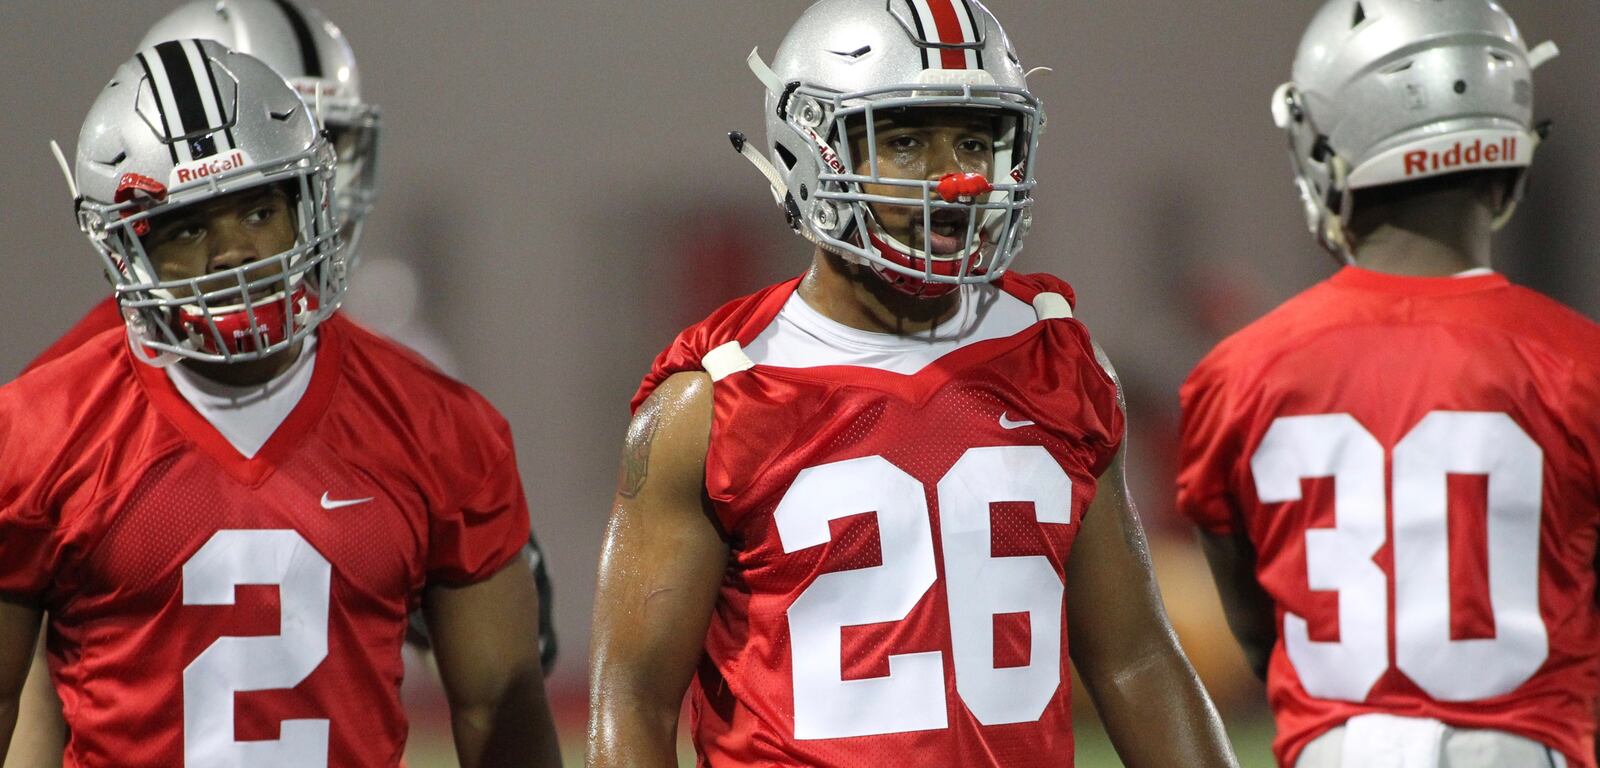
[
  {"x": 845, "y": 65},
  {"x": 314, "y": 56},
  {"x": 1389, "y": 91},
  {"x": 188, "y": 121}
]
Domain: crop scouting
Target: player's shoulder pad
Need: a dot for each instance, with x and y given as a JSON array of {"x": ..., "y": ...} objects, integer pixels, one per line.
[{"x": 739, "y": 320}]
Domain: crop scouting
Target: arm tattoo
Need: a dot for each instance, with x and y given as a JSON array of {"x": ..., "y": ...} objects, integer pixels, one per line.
[{"x": 636, "y": 453}]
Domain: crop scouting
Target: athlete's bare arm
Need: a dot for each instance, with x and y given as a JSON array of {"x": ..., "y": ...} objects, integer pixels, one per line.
[
  {"x": 660, "y": 568},
  {"x": 1154, "y": 707},
  {"x": 19, "y": 625},
  {"x": 483, "y": 638},
  {"x": 1250, "y": 612},
  {"x": 40, "y": 737}
]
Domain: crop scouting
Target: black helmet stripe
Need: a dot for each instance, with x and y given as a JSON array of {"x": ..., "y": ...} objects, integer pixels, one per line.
[
  {"x": 302, "y": 34},
  {"x": 186, "y": 97},
  {"x": 155, "y": 90},
  {"x": 922, "y": 34}
]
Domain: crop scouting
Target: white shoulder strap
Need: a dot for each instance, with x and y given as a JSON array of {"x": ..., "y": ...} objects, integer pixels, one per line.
[
  {"x": 1052, "y": 306},
  {"x": 725, "y": 361}
]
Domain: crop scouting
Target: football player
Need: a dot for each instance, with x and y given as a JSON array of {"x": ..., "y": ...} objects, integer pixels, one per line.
[
  {"x": 1394, "y": 471},
  {"x": 863, "y": 512},
  {"x": 314, "y": 56},
  {"x": 229, "y": 507}
]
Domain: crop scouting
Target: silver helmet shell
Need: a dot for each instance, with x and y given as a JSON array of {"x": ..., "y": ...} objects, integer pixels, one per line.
[
  {"x": 188, "y": 121},
  {"x": 312, "y": 54},
  {"x": 1390, "y": 91},
  {"x": 849, "y": 62}
]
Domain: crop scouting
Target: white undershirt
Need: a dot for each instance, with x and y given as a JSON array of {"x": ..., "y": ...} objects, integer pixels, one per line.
[
  {"x": 1478, "y": 272},
  {"x": 802, "y": 337},
  {"x": 247, "y": 416}
]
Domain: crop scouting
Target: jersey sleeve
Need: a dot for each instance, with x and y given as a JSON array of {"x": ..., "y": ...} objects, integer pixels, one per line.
[
  {"x": 472, "y": 537},
  {"x": 1208, "y": 452},
  {"x": 27, "y": 529}
]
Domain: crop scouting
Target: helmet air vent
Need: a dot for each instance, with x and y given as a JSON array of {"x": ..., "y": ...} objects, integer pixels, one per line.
[
  {"x": 786, "y": 156},
  {"x": 1361, "y": 16}
]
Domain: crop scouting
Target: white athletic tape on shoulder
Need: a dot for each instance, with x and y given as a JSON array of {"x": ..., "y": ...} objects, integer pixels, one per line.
[
  {"x": 725, "y": 361},
  {"x": 1052, "y": 306}
]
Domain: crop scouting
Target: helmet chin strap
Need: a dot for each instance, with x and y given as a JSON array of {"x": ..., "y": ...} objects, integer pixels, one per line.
[{"x": 742, "y": 145}]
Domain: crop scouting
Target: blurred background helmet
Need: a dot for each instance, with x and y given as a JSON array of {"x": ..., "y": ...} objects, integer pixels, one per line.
[
  {"x": 1392, "y": 91},
  {"x": 188, "y": 121},
  {"x": 313, "y": 55},
  {"x": 846, "y": 65}
]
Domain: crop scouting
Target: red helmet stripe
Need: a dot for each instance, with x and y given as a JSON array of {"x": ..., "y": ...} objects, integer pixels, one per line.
[{"x": 950, "y": 33}]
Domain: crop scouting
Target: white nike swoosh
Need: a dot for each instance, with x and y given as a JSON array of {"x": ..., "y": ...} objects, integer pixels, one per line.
[
  {"x": 328, "y": 503},
  {"x": 1006, "y": 423}
]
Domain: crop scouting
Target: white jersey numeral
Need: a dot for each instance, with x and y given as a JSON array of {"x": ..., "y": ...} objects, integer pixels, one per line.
[
  {"x": 979, "y": 587},
  {"x": 911, "y": 697},
  {"x": 1468, "y": 444},
  {"x": 1340, "y": 558},
  {"x": 233, "y": 664}
]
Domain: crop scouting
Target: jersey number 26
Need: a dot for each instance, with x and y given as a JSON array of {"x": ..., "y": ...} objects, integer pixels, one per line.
[{"x": 979, "y": 586}]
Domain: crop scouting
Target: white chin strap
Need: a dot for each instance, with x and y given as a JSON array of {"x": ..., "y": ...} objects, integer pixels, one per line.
[{"x": 762, "y": 164}]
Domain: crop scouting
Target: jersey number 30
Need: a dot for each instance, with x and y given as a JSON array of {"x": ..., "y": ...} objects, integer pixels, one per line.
[
  {"x": 272, "y": 662},
  {"x": 979, "y": 586},
  {"x": 1340, "y": 558}
]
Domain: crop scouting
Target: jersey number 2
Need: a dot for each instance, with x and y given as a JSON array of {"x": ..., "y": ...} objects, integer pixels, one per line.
[
  {"x": 1340, "y": 558},
  {"x": 233, "y": 664},
  {"x": 979, "y": 587}
]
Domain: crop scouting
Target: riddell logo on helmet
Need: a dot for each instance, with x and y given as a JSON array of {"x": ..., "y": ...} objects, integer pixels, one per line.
[
  {"x": 829, "y": 157},
  {"x": 208, "y": 167},
  {"x": 1462, "y": 155}
]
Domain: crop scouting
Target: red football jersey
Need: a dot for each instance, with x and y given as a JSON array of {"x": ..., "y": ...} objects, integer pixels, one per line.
[
  {"x": 208, "y": 609},
  {"x": 1414, "y": 460},
  {"x": 896, "y": 589},
  {"x": 100, "y": 318}
]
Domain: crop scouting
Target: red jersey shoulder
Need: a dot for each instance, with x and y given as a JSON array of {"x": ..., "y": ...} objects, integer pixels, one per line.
[
  {"x": 100, "y": 318},
  {"x": 425, "y": 412},
  {"x": 1254, "y": 346},
  {"x": 70, "y": 405},
  {"x": 738, "y": 320},
  {"x": 1561, "y": 326}
]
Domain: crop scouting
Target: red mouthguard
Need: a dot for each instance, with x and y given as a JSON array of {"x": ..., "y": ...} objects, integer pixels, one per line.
[{"x": 963, "y": 187}]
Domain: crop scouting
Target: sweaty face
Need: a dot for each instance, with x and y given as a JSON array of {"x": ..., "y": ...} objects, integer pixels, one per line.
[
  {"x": 924, "y": 144},
  {"x": 221, "y": 234}
]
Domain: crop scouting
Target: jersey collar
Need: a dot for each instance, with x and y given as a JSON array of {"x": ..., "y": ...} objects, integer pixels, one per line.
[
  {"x": 296, "y": 427},
  {"x": 1383, "y": 282}
]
